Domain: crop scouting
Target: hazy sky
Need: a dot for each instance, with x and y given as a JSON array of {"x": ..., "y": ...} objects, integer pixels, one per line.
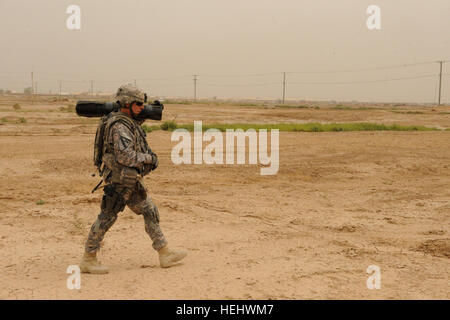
[{"x": 238, "y": 48}]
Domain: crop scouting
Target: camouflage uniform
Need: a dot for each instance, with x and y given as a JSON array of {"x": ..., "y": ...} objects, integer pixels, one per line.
[{"x": 126, "y": 157}]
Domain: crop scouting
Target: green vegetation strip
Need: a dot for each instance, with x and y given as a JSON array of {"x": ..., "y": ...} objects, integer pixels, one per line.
[
  {"x": 293, "y": 127},
  {"x": 286, "y": 106}
]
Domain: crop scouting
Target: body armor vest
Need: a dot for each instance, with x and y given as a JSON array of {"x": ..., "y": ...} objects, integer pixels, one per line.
[{"x": 104, "y": 158}]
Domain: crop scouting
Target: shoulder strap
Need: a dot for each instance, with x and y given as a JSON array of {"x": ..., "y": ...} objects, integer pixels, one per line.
[{"x": 116, "y": 117}]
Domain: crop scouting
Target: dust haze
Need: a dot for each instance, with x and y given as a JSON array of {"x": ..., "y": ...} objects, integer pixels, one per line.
[
  {"x": 374, "y": 194},
  {"x": 239, "y": 49}
]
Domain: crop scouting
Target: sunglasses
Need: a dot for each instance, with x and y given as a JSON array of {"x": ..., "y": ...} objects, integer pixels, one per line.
[{"x": 140, "y": 104}]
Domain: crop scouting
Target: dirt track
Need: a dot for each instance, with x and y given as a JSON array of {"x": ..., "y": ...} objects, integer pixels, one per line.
[{"x": 339, "y": 203}]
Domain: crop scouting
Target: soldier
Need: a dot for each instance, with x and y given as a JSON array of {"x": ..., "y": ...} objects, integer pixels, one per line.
[{"x": 125, "y": 158}]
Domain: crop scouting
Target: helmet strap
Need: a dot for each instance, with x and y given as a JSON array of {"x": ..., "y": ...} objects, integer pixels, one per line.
[{"x": 131, "y": 111}]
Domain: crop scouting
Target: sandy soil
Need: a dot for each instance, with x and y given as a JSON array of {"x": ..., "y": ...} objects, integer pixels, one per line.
[{"x": 339, "y": 203}]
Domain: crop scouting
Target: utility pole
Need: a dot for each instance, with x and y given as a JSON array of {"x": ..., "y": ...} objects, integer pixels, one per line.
[
  {"x": 135, "y": 83},
  {"x": 32, "y": 83},
  {"x": 284, "y": 86},
  {"x": 32, "y": 87},
  {"x": 440, "y": 82},
  {"x": 92, "y": 87},
  {"x": 60, "y": 87},
  {"x": 195, "y": 87}
]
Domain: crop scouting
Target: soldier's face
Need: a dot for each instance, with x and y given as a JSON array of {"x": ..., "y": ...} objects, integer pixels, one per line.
[{"x": 136, "y": 108}]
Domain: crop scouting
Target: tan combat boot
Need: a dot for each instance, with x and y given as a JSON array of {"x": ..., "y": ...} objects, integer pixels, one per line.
[
  {"x": 169, "y": 257},
  {"x": 90, "y": 264}
]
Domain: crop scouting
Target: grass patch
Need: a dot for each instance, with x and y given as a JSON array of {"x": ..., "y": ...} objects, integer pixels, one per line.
[
  {"x": 177, "y": 102},
  {"x": 341, "y": 107},
  {"x": 40, "y": 202},
  {"x": 247, "y": 104},
  {"x": 151, "y": 128},
  {"x": 22, "y": 120},
  {"x": 169, "y": 126},
  {"x": 296, "y": 127},
  {"x": 16, "y": 106},
  {"x": 4, "y": 120},
  {"x": 217, "y": 103},
  {"x": 285, "y": 106}
]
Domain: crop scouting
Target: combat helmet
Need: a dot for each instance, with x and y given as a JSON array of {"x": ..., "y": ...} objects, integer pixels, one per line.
[{"x": 128, "y": 94}]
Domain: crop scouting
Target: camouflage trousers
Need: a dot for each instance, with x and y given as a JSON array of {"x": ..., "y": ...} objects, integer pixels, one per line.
[{"x": 114, "y": 200}]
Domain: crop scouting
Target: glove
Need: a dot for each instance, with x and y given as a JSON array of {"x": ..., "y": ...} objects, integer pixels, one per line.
[
  {"x": 155, "y": 161},
  {"x": 152, "y": 159}
]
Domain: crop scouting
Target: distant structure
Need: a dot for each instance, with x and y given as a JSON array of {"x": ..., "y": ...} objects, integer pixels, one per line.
[{"x": 28, "y": 90}]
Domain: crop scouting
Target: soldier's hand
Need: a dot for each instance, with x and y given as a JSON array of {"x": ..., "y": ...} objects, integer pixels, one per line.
[
  {"x": 155, "y": 161},
  {"x": 149, "y": 159}
]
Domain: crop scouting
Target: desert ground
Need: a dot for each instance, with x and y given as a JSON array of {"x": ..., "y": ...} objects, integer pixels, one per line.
[{"x": 340, "y": 202}]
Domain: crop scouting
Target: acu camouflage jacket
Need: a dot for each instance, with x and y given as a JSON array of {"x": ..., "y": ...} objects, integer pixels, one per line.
[{"x": 125, "y": 148}]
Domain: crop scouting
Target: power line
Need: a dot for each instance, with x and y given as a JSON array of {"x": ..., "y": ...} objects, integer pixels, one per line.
[
  {"x": 321, "y": 72},
  {"x": 272, "y": 82},
  {"x": 241, "y": 85},
  {"x": 364, "y": 69},
  {"x": 239, "y": 75},
  {"x": 254, "y": 74},
  {"x": 365, "y": 81},
  {"x": 165, "y": 78},
  {"x": 324, "y": 83}
]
